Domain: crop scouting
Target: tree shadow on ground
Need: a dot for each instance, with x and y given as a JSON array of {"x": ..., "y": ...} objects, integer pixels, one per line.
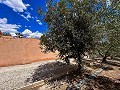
[
  {"x": 113, "y": 63},
  {"x": 69, "y": 79},
  {"x": 49, "y": 70},
  {"x": 103, "y": 83}
]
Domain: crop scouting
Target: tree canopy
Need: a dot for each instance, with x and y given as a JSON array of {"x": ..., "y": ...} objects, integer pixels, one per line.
[
  {"x": 107, "y": 34},
  {"x": 69, "y": 29}
]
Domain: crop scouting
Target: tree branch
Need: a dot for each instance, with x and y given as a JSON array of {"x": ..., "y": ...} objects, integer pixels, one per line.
[
  {"x": 100, "y": 53},
  {"x": 108, "y": 51}
]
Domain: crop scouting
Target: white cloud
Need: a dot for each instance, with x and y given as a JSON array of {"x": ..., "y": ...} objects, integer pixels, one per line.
[
  {"x": 3, "y": 21},
  {"x": 39, "y": 22},
  {"x": 24, "y": 17},
  {"x": 27, "y": 5},
  {"x": 29, "y": 34},
  {"x": 27, "y": 15},
  {"x": 16, "y": 5},
  {"x": 32, "y": 17},
  {"x": 5, "y": 27},
  {"x": 31, "y": 8},
  {"x": 13, "y": 34},
  {"x": 36, "y": 35}
]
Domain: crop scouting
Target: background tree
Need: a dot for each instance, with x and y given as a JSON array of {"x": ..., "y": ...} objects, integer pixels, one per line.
[
  {"x": 0, "y": 33},
  {"x": 69, "y": 28},
  {"x": 107, "y": 34},
  {"x": 6, "y": 34}
]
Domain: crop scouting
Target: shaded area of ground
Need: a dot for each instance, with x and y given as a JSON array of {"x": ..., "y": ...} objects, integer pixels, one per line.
[
  {"x": 107, "y": 80},
  {"x": 103, "y": 83},
  {"x": 50, "y": 70},
  {"x": 53, "y": 69},
  {"x": 113, "y": 63}
]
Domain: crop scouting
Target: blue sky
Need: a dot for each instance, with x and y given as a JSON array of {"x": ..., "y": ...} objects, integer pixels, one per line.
[{"x": 21, "y": 16}]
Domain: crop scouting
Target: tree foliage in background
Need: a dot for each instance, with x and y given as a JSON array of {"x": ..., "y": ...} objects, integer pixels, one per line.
[
  {"x": 0, "y": 33},
  {"x": 6, "y": 34},
  {"x": 69, "y": 28},
  {"x": 107, "y": 31}
]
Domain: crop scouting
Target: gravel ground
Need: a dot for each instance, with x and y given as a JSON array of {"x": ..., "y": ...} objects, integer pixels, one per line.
[{"x": 15, "y": 76}]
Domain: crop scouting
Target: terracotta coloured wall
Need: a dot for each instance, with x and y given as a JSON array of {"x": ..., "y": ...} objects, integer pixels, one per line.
[{"x": 21, "y": 51}]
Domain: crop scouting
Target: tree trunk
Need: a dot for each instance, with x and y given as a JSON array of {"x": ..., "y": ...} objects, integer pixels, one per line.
[
  {"x": 67, "y": 61},
  {"x": 104, "y": 59},
  {"x": 79, "y": 63},
  {"x": 106, "y": 55}
]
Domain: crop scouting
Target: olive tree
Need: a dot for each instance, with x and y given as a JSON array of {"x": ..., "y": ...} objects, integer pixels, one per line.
[
  {"x": 69, "y": 28},
  {"x": 107, "y": 34}
]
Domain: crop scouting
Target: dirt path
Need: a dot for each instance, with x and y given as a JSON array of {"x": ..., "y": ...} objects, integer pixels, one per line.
[
  {"x": 15, "y": 76},
  {"x": 113, "y": 74}
]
